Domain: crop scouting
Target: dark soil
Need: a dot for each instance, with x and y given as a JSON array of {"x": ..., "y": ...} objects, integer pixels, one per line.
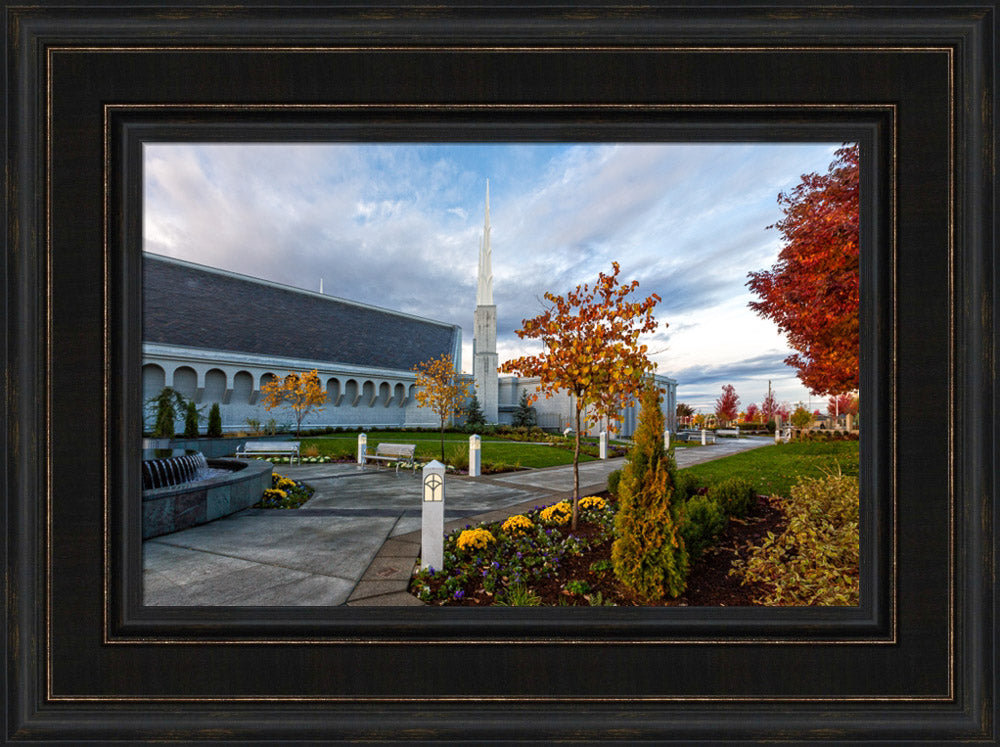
[{"x": 709, "y": 583}]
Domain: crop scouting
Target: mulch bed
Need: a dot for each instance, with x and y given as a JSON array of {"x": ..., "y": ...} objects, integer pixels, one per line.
[{"x": 709, "y": 583}]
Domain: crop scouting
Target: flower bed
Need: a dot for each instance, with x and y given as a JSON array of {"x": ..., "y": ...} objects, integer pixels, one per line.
[
  {"x": 494, "y": 562},
  {"x": 531, "y": 563},
  {"x": 285, "y": 493}
]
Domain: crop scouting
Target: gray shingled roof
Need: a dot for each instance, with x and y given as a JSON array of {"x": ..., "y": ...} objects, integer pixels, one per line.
[{"x": 184, "y": 304}]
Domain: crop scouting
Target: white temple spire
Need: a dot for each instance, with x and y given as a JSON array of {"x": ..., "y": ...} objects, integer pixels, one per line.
[
  {"x": 484, "y": 341},
  {"x": 484, "y": 291}
]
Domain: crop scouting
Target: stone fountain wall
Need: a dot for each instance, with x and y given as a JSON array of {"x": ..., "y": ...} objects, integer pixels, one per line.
[{"x": 177, "y": 507}]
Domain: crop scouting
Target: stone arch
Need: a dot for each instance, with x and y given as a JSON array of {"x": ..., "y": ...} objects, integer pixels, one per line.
[
  {"x": 154, "y": 378},
  {"x": 186, "y": 382},
  {"x": 368, "y": 393},
  {"x": 242, "y": 387},
  {"x": 385, "y": 393},
  {"x": 215, "y": 385},
  {"x": 399, "y": 394},
  {"x": 351, "y": 393},
  {"x": 333, "y": 392}
]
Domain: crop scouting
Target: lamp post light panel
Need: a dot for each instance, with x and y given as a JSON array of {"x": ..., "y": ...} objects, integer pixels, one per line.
[{"x": 433, "y": 488}]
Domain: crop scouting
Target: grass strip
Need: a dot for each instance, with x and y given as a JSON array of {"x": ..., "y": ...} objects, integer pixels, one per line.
[{"x": 773, "y": 470}]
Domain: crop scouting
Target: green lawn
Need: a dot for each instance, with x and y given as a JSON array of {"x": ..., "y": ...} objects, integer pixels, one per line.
[
  {"x": 494, "y": 450},
  {"x": 774, "y": 469}
]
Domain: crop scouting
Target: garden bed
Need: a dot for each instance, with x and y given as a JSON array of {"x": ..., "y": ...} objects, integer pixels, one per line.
[{"x": 581, "y": 574}]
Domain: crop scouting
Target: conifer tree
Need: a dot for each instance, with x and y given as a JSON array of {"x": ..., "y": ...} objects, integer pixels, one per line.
[
  {"x": 648, "y": 553},
  {"x": 524, "y": 415},
  {"x": 474, "y": 413},
  {"x": 191, "y": 420},
  {"x": 215, "y": 421}
]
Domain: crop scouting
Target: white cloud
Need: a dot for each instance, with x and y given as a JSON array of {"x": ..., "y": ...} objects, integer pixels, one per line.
[{"x": 399, "y": 226}]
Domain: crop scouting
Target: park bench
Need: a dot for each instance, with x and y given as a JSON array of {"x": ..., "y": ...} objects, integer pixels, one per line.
[
  {"x": 397, "y": 453},
  {"x": 270, "y": 448},
  {"x": 696, "y": 436}
]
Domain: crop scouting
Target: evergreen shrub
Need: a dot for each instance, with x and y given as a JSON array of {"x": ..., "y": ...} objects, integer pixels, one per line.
[
  {"x": 648, "y": 553},
  {"x": 685, "y": 485},
  {"x": 191, "y": 420},
  {"x": 735, "y": 495},
  {"x": 703, "y": 519},
  {"x": 614, "y": 477},
  {"x": 215, "y": 421}
]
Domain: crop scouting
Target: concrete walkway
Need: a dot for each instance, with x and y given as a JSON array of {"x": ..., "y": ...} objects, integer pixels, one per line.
[{"x": 357, "y": 539}]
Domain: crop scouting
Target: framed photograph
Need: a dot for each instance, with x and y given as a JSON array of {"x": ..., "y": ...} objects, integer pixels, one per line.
[{"x": 91, "y": 89}]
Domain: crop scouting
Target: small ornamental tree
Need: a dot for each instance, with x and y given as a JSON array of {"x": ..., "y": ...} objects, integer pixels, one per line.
[
  {"x": 191, "y": 418},
  {"x": 474, "y": 413},
  {"x": 753, "y": 413},
  {"x": 684, "y": 413},
  {"x": 801, "y": 418},
  {"x": 439, "y": 388},
  {"x": 648, "y": 554},
  {"x": 302, "y": 392},
  {"x": 728, "y": 405},
  {"x": 215, "y": 421},
  {"x": 591, "y": 351},
  {"x": 812, "y": 291},
  {"x": 525, "y": 415}
]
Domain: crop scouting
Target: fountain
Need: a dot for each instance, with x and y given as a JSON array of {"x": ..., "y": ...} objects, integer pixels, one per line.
[{"x": 181, "y": 489}]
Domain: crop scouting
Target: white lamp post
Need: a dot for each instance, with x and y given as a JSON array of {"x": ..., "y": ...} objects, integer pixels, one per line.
[
  {"x": 475, "y": 456},
  {"x": 432, "y": 517}
]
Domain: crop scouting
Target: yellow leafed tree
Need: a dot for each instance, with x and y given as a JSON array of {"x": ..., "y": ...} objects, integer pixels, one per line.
[
  {"x": 439, "y": 388},
  {"x": 592, "y": 351},
  {"x": 302, "y": 392}
]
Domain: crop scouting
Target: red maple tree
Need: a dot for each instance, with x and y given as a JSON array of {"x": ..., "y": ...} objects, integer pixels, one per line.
[
  {"x": 842, "y": 404},
  {"x": 811, "y": 292},
  {"x": 753, "y": 413},
  {"x": 727, "y": 407}
]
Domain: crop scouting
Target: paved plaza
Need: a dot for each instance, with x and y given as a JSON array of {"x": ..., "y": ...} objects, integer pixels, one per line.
[{"x": 357, "y": 539}]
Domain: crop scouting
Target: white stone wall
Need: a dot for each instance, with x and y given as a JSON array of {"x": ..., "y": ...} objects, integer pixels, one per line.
[
  {"x": 557, "y": 411},
  {"x": 356, "y": 396}
]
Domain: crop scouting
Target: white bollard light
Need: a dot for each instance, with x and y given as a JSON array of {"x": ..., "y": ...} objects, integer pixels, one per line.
[
  {"x": 475, "y": 456},
  {"x": 362, "y": 448},
  {"x": 666, "y": 438},
  {"x": 602, "y": 441},
  {"x": 704, "y": 437},
  {"x": 432, "y": 517}
]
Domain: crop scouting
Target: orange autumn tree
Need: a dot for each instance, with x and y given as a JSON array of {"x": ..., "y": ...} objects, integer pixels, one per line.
[
  {"x": 302, "y": 392},
  {"x": 811, "y": 292},
  {"x": 592, "y": 351},
  {"x": 439, "y": 388}
]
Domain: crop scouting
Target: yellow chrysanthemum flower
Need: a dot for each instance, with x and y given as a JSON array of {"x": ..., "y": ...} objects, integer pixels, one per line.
[
  {"x": 477, "y": 539},
  {"x": 517, "y": 524},
  {"x": 557, "y": 513}
]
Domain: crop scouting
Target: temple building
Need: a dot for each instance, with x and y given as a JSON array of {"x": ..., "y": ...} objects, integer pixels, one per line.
[{"x": 216, "y": 336}]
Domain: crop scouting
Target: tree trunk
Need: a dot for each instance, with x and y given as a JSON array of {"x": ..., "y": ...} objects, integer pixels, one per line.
[
  {"x": 442, "y": 442},
  {"x": 576, "y": 469}
]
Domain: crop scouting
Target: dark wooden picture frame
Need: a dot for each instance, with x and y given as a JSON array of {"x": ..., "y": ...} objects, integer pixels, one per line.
[{"x": 86, "y": 85}]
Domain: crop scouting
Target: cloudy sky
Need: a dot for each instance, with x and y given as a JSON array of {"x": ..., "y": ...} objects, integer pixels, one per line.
[{"x": 398, "y": 226}]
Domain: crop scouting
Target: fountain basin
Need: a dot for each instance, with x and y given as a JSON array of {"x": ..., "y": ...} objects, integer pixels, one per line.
[{"x": 237, "y": 484}]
